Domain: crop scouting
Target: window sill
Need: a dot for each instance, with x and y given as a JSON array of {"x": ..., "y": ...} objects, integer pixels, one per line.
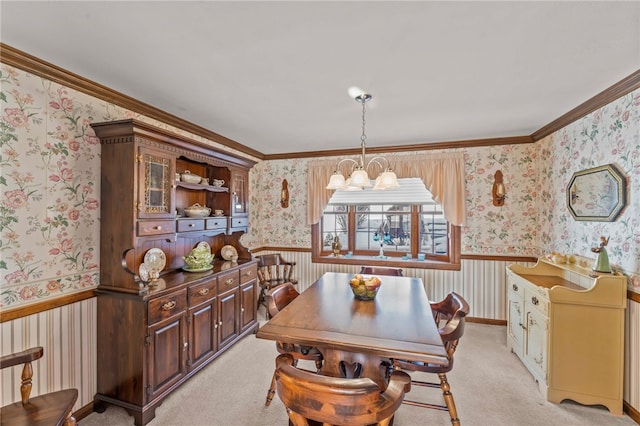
[{"x": 389, "y": 261}]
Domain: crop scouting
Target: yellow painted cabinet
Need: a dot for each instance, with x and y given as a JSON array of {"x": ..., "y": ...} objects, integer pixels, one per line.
[{"x": 568, "y": 330}]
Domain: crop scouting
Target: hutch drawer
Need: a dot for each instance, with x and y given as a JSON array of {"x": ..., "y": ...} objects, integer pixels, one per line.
[
  {"x": 168, "y": 306},
  {"x": 248, "y": 273},
  {"x": 186, "y": 225},
  {"x": 238, "y": 222},
  {"x": 216, "y": 223},
  {"x": 156, "y": 227},
  {"x": 228, "y": 281},
  {"x": 202, "y": 292}
]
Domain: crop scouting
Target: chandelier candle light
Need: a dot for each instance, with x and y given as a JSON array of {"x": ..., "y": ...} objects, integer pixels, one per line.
[{"x": 359, "y": 178}]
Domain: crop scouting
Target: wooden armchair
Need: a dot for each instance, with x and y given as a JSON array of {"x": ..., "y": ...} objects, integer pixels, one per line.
[
  {"x": 450, "y": 315},
  {"x": 277, "y": 299},
  {"x": 312, "y": 399},
  {"x": 273, "y": 271},
  {"x": 45, "y": 410}
]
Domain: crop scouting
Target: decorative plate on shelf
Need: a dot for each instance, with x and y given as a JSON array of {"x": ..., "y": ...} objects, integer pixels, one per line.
[
  {"x": 143, "y": 273},
  {"x": 228, "y": 252},
  {"x": 155, "y": 260}
]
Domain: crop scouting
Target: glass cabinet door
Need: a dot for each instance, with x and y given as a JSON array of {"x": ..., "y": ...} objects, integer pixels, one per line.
[
  {"x": 155, "y": 184},
  {"x": 238, "y": 193}
]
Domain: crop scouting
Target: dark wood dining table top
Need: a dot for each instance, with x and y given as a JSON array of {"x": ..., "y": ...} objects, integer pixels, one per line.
[{"x": 398, "y": 323}]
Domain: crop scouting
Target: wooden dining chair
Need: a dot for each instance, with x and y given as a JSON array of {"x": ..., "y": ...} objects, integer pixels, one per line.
[
  {"x": 277, "y": 299},
  {"x": 312, "y": 399},
  {"x": 381, "y": 270},
  {"x": 54, "y": 408},
  {"x": 273, "y": 270},
  {"x": 449, "y": 315}
]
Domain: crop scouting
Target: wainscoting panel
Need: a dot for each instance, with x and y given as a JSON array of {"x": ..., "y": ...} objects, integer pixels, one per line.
[
  {"x": 68, "y": 336},
  {"x": 632, "y": 355}
]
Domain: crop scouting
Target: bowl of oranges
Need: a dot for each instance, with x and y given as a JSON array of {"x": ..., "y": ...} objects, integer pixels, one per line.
[{"x": 365, "y": 287}]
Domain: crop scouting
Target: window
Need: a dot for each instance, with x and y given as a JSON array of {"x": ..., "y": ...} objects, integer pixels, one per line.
[{"x": 400, "y": 230}]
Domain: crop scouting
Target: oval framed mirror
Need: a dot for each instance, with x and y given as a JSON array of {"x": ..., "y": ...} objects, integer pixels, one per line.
[{"x": 598, "y": 194}]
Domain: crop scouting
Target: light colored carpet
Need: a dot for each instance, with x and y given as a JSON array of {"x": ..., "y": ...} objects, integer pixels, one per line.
[{"x": 489, "y": 384}]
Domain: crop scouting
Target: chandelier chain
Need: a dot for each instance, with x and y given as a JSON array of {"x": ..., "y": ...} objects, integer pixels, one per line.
[{"x": 363, "y": 138}]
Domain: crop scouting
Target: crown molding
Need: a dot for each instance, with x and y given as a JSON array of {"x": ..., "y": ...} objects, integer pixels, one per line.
[
  {"x": 624, "y": 86},
  {"x": 18, "y": 59},
  {"x": 26, "y": 62}
]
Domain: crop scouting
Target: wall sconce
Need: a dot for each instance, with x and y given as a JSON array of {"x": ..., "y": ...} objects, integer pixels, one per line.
[
  {"x": 498, "y": 189},
  {"x": 284, "y": 194}
]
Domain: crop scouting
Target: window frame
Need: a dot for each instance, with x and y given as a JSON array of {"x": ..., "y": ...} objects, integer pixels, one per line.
[{"x": 370, "y": 257}]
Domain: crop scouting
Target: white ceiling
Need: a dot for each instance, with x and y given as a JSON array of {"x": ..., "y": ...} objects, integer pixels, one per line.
[{"x": 274, "y": 75}]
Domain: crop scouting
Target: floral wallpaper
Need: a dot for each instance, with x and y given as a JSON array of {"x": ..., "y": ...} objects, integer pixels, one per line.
[
  {"x": 50, "y": 190},
  {"x": 50, "y": 186}
]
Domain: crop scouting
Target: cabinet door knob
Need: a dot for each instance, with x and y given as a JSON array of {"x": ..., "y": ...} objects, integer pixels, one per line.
[
  {"x": 191, "y": 225},
  {"x": 515, "y": 287},
  {"x": 169, "y": 305},
  {"x": 203, "y": 291},
  {"x": 159, "y": 228},
  {"x": 534, "y": 300}
]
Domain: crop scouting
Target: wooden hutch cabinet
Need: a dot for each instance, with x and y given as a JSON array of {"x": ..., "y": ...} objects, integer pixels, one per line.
[
  {"x": 154, "y": 336},
  {"x": 568, "y": 329}
]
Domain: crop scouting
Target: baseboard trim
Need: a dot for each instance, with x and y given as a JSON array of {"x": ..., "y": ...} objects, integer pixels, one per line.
[
  {"x": 631, "y": 412},
  {"x": 83, "y": 411},
  {"x": 486, "y": 321}
]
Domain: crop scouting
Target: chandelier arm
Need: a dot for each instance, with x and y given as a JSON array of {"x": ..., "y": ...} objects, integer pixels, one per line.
[
  {"x": 377, "y": 161},
  {"x": 355, "y": 163}
]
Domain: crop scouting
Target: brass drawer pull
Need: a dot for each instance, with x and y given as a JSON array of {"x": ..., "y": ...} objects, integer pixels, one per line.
[
  {"x": 169, "y": 305},
  {"x": 203, "y": 291},
  {"x": 534, "y": 300},
  {"x": 249, "y": 273},
  {"x": 229, "y": 281}
]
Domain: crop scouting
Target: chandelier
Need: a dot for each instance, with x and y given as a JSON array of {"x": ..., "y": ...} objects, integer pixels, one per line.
[{"x": 359, "y": 178}]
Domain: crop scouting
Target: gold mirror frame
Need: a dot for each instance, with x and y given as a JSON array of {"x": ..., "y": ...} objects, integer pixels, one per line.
[{"x": 598, "y": 194}]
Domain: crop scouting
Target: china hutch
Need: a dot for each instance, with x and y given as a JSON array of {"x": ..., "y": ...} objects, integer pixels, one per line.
[
  {"x": 567, "y": 327},
  {"x": 152, "y": 336}
]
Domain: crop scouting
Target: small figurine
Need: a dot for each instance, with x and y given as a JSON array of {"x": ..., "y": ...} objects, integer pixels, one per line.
[
  {"x": 602, "y": 261},
  {"x": 336, "y": 246}
]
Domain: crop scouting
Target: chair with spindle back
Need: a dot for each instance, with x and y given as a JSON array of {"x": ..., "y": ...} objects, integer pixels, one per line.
[
  {"x": 449, "y": 315},
  {"x": 277, "y": 299},
  {"x": 312, "y": 399},
  {"x": 53, "y": 408},
  {"x": 273, "y": 270}
]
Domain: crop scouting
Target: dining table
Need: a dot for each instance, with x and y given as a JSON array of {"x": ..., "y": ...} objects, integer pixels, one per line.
[{"x": 359, "y": 338}]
